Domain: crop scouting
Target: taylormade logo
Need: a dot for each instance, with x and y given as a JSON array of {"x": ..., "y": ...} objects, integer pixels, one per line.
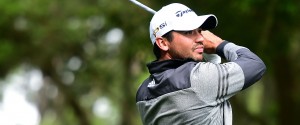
[
  {"x": 151, "y": 84},
  {"x": 181, "y": 12}
]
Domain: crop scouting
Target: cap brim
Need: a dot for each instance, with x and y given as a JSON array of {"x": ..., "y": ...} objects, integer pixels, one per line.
[
  {"x": 210, "y": 22},
  {"x": 205, "y": 22}
]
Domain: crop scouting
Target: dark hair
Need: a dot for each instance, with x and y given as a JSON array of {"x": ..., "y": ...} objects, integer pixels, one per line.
[{"x": 156, "y": 49}]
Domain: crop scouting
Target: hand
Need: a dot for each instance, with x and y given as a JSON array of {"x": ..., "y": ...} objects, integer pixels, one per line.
[{"x": 211, "y": 42}]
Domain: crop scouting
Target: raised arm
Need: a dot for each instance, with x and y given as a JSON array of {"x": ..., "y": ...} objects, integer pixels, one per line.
[{"x": 221, "y": 81}]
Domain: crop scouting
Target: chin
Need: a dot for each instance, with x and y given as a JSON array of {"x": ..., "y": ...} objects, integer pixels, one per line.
[{"x": 197, "y": 59}]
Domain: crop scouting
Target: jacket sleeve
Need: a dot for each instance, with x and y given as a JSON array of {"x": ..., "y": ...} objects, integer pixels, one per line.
[{"x": 218, "y": 82}]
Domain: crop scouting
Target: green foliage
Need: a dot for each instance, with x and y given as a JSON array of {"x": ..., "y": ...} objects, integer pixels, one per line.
[
  {"x": 7, "y": 50},
  {"x": 47, "y": 34}
]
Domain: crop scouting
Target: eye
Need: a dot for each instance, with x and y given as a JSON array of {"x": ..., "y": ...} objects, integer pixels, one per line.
[
  {"x": 188, "y": 32},
  {"x": 199, "y": 30}
]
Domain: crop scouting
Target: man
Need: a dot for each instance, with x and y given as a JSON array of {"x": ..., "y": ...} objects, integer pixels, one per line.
[{"x": 184, "y": 87}]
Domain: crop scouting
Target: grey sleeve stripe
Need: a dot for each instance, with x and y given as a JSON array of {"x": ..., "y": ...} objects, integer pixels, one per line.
[
  {"x": 223, "y": 83},
  {"x": 216, "y": 83},
  {"x": 219, "y": 82},
  {"x": 227, "y": 82}
]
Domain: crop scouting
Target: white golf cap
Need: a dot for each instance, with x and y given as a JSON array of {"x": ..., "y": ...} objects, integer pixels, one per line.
[{"x": 178, "y": 17}]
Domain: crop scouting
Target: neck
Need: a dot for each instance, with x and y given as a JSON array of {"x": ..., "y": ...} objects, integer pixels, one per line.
[{"x": 165, "y": 56}]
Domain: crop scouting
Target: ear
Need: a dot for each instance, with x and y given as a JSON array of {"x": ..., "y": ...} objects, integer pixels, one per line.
[{"x": 162, "y": 43}]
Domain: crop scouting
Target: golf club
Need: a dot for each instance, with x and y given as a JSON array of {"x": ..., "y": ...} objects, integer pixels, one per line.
[{"x": 143, "y": 6}]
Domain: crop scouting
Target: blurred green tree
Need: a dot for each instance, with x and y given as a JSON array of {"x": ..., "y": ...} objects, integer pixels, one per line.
[{"x": 95, "y": 51}]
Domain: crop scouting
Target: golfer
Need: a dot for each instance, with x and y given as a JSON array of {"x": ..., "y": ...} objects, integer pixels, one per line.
[{"x": 184, "y": 87}]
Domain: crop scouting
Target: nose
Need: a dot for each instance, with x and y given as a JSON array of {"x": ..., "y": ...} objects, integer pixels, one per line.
[{"x": 199, "y": 37}]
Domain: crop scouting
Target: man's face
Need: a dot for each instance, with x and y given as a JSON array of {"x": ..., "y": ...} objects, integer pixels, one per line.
[{"x": 187, "y": 44}]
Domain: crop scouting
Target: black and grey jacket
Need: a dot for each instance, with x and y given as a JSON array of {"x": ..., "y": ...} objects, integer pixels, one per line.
[{"x": 185, "y": 92}]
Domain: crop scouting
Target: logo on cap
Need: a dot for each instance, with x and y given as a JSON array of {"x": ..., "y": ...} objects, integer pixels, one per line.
[
  {"x": 180, "y": 12},
  {"x": 155, "y": 31},
  {"x": 161, "y": 26}
]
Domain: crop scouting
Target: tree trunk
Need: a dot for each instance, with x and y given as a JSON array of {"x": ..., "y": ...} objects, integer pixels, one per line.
[
  {"x": 284, "y": 75},
  {"x": 286, "y": 84},
  {"x": 70, "y": 98},
  {"x": 128, "y": 100}
]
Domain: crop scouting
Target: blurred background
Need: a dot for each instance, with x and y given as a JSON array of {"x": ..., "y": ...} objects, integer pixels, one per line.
[{"x": 80, "y": 62}]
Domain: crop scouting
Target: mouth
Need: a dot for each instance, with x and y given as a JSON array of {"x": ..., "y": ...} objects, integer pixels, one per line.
[{"x": 199, "y": 49}]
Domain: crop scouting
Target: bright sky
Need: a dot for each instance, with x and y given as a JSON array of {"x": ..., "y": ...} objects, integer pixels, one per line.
[{"x": 14, "y": 108}]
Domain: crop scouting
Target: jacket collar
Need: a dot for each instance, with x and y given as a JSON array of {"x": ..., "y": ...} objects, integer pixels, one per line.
[{"x": 160, "y": 66}]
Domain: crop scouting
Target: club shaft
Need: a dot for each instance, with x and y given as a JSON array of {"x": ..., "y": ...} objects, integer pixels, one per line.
[{"x": 143, "y": 6}]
